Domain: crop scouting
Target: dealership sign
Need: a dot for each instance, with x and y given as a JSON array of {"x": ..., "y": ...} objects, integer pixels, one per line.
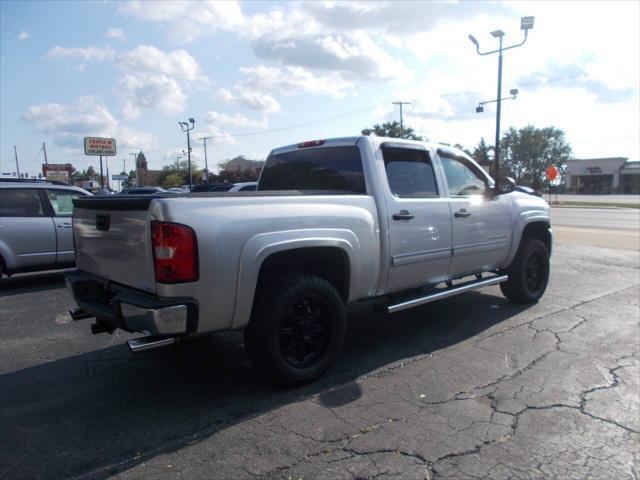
[
  {"x": 57, "y": 171},
  {"x": 100, "y": 146}
]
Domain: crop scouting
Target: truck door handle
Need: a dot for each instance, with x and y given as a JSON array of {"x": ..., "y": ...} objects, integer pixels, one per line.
[
  {"x": 402, "y": 215},
  {"x": 64, "y": 225},
  {"x": 462, "y": 213}
]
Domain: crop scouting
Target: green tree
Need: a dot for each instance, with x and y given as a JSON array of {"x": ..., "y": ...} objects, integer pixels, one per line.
[
  {"x": 172, "y": 180},
  {"x": 481, "y": 153},
  {"x": 131, "y": 181},
  {"x": 526, "y": 153},
  {"x": 392, "y": 129}
]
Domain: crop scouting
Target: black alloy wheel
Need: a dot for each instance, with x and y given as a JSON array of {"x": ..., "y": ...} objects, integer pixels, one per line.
[
  {"x": 297, "y": 328},
  {"x": 305, "y": 332},
  {"x": 533, "y": 271},
  {"x": 528, "y": 273}
]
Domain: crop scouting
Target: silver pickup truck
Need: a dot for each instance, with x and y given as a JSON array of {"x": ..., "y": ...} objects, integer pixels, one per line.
[{"x": 333, "y": 222}]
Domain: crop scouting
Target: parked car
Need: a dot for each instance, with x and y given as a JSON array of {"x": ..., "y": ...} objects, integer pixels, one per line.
[
  {"x": 225, "y": 187},
  {"x": 142, "y": 191},
  {"x": 35, "y": 225},
  {"x": 244, "y": 187},
  {"x": 333, "y": 222}
]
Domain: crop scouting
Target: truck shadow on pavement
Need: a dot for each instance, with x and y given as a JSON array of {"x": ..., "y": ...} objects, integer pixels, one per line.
[
  {"x": 31, "y": 283},
  {"x": 102, "y": 412}
]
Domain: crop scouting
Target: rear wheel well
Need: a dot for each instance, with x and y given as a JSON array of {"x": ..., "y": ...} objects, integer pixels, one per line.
[
  {"x": 329, "y": 263},
  {"x": 539, "y": 230}
]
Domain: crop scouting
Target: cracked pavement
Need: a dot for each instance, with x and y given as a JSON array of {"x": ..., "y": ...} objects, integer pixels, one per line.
[{"x": 468, "y": 387}]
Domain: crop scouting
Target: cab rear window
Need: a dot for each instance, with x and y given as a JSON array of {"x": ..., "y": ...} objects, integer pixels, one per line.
[{"x": 337, "y": 169}]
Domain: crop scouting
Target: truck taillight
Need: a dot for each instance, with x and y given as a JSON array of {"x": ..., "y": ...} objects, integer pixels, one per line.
[{"x": 175, "y": 252}]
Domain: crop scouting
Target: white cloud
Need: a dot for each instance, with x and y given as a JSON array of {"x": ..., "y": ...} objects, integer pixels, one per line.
[
  {"x": 87, "y": 54},
  {"x": 67, "y": 124},
  {"x": 291, "y": 37},
  {"x": 156, "y": 80},
  {"x": 147, "y": 59},
  {"x": 23, "y": 35},
  {"x": 236, "y": 120},
  {"x": 241, "y": 98},
  {"x": 116, "y": 34},
  {"x": 188, "y": 21},
  {"x": 293, "y": 80},
  {"x": 155, "y": 92}
]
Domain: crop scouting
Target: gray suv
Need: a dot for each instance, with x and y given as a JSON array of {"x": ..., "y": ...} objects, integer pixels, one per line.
[{"x": 35, "y": 225}]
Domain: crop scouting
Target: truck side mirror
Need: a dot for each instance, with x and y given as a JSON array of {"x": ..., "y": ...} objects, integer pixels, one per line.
[{"x": 505, "y": 185}]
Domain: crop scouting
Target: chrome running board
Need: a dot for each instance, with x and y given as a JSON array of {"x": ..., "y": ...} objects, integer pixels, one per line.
[{"x": 446, "y": 292}]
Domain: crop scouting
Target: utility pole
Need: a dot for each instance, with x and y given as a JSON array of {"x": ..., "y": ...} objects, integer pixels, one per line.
[
  {"x": 44, "y": 149},
  {"x": 135, "y": 165},
  {"x": 401, "y": 125},
  {"x": 15, "y": 151},
  {"x": 124, "y": 170},
  {"x": 101, "y": 176},
  {"x": 206, "y": 165}
]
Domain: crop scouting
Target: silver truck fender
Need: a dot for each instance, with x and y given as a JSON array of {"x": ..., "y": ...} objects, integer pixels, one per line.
[
  {"x": 261, "y": 246},
  {"x": 524, "y": 219}
]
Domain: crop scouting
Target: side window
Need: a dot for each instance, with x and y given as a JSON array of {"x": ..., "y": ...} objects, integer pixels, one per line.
[
  {"x": 409, "y": 172},
  {"x": 461, "y": 178},
  {"x": 62, "y": 201},
  {"x": 248, "y": 188},
  {"x": 20, "y": 202}
]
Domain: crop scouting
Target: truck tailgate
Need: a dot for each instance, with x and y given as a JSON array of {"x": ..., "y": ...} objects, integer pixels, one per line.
[{"x": 113, "y": 240}]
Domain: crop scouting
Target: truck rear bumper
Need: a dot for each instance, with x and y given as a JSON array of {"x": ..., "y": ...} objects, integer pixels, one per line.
[{"x": 117, "y": 306}]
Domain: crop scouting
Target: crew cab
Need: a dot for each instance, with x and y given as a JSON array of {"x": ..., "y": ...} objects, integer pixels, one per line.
[{"x": 332, "y": 222}]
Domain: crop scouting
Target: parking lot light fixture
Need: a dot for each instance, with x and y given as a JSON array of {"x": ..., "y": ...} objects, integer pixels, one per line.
[{"x": 526, "y": 23}]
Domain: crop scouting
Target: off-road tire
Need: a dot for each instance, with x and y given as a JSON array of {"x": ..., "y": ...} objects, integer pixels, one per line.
[
  {"x": 528, "y": 273},
  {"x": 284, "y": 320}
]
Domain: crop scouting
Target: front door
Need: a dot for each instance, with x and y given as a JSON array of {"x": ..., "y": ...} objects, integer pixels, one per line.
[
  {"x": 420, "y": 220},
  {"x": 481, "y": 223}
]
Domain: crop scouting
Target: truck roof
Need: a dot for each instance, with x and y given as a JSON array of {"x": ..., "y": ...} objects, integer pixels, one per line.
[{"x": 349, "y": 141}]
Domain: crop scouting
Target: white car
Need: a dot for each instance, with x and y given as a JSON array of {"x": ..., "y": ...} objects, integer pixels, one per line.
[{"x": 244, "y": 187}]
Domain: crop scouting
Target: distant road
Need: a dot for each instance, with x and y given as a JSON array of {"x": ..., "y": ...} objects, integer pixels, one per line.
[
  {"x": 600, "y": 227},
  {"x": 627, "y": 199},
  {"x": 606, "y": 218}
]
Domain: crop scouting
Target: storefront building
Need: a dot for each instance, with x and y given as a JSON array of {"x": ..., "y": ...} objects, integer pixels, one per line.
[{"x": 603, "y": 175}]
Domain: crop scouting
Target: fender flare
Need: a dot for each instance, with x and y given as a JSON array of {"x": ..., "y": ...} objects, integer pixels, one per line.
[
  {"x": 261, "y": 246},
  {"x": 524, "y": 219}
]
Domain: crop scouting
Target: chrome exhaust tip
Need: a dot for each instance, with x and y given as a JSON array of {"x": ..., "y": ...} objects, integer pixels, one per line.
[{"x": 142, "y": 344}]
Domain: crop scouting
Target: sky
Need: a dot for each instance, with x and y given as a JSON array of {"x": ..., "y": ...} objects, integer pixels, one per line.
[{"x": 259, "y": 75}]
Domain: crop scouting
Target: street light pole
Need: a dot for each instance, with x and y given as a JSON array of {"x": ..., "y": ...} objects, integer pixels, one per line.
[
  {"x": 498, "y": 111},
  {"x": 184, "y": 126},
  {"x": 206, "y": 165},
  {"x": 526, "y": 24}
]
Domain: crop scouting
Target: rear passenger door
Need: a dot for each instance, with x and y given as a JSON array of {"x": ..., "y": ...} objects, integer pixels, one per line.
[
  {"x": 27, "y": 232},
  {"x": 420, "y": 220},
  {"x": 61, "y": 201}
]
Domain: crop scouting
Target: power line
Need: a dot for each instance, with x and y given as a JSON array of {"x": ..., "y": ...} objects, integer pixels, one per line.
[{"x": 292, "y": 127}]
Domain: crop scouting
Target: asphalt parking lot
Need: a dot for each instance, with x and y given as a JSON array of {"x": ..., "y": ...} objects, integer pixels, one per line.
[{"x": 470, "y": 387}]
